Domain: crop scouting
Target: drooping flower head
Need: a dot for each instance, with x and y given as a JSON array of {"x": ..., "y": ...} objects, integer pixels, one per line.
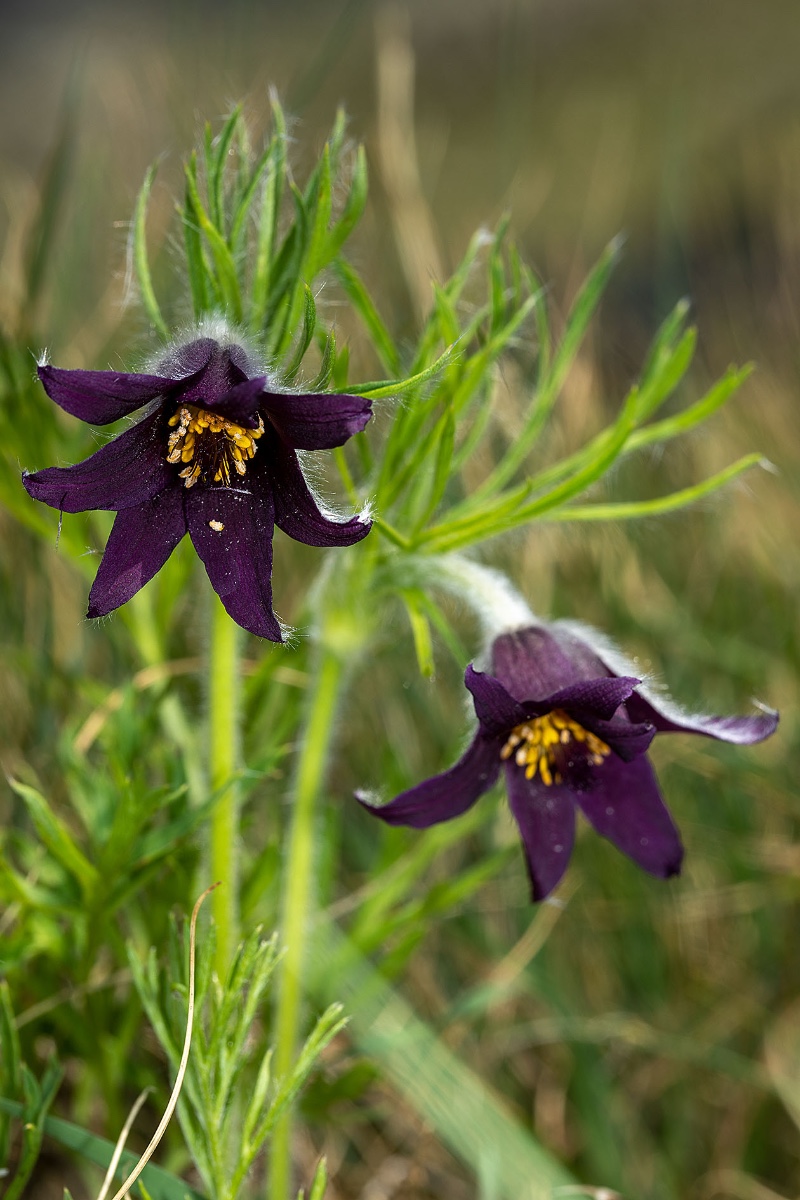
[
  {"x": 214, "y": 457},
  {"x": 569, "y": 725}
]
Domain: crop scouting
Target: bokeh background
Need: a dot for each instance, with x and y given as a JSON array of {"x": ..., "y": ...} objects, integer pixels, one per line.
[{"x": 632, "y": 1035}]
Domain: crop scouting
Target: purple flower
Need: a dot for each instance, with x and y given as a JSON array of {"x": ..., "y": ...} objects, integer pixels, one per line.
[
  {"x": 570, "y": 726},
  {"x": 214, "y": 457}
]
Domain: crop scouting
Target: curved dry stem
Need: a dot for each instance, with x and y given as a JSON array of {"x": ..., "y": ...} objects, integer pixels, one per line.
[
  {"x": 121, "y": 1140},
  {"x": 187, "y": 1042}
]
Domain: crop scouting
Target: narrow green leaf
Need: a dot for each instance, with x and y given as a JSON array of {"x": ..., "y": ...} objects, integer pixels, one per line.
[
  {"x": 397, "y": 387},
  {"x": 161, "y": 1184},
  {"x": 320, "y": 1181},
  {"x": 257, "y": 1101},
  {"x": 306, "y": 334},
  {"x": 351, "y": 213},
  {"x": 227, "y": 279},
  {"x": 268, "y": 221},
  {"x": 421, "y": 630},
  {"x": 322, "y": 379},
  {"x": 360, "y": 299},
  {"x": 433, "y": 481},
  {"x": 219, "y": 160},
  {"x": 10, "y": 1064},
  {"x": 200, "y": 281},
  {"x": 247, "y": 198},
  {"x": 140, "y": 257},
  {"x": 318, "y": 205},
  {"x": 624, "y": 511},
  {"x": 54, "y": 834},
  {"x": 580, "y": 315},
  {"x": 670, "y": 427}
]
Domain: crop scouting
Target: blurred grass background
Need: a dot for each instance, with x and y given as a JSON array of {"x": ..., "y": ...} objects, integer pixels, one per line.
[{"x": 629, "y": 1029}]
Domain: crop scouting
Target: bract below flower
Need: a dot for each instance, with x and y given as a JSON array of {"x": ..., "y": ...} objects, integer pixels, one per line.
[
  {"x": 567, "y": 721},
  {"x": 213, "y": 456}
]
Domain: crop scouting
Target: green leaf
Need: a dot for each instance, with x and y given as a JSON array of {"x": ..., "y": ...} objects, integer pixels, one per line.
[
  {"x": 200, "y": 281},
  {"x": 625, "y": 511},
  {"x": 160, "y": 1184},
  {"x": 306, "y": 334},
  {"x": 226, "y": 277},
  {"x": 670, "y": 427},
  {"x": 141, "y": 261},
  {"x": 268, "y": 220},
  {"x": 421, "y": 630},
  {"x": 217, "y": 166},
  {"x": 54, "y": 834},
  {"x": 318, "y": 205},
  {"x": 351, "y": 213},
  {"x": 398, "y": 387},
  {"x": 322, "y": 379},
  {"x": 10, "y": 1064},
  {"x": 578, "y": 320},
  {"x": 361, "y": 301}
]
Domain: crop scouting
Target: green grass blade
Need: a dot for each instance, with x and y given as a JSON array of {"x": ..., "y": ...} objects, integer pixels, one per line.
[
  {"x": 160, "y": 1183},
  {"x": 468, "y": 1117},
  {"x": 141, "y": 262}
]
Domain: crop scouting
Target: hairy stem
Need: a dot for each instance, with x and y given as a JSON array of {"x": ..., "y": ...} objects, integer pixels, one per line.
[
  {"x": 223, "y": 759},
  {"x": 298, "y": 897}
]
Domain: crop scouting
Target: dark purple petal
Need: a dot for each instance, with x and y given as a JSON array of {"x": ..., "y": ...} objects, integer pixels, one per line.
[
  {"x": 546, "y": 820},
  {"x": 140, "y": 542},
  {"x": 192, "y": 357},
  {"x": 237, "y": 556},
  {"x": 296, "y": 511},
  {"x": 317, "y": 420},
  {"x": 188, "y": 359},
  {"x": 213, "y": 379},
  {"x": 241, "y": 403},
  {"x": 123, "y": 474},
  {"x": 627, "y": 740},
  {"x": 447, "y": 795},
  {"x": 497, "y": 712},
  {"x": 531, "y": 664},
  {"x": 592, "y": 697},
  {"x": 668, "y": 718},
  {"x": 625, "y": 806},
  {"x": 100, "y": 397}
]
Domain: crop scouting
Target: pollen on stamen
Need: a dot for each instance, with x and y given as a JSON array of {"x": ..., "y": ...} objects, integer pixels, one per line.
[
  {"x": 539, "y": 745},
  {"x": 209, "y": 445},
  {"x": 217, "y": 526}
]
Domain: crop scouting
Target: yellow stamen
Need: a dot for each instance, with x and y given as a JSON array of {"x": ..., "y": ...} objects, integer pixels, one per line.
[
  {"x": 209, "y": 445},
  {"x": 540, "y": 745}
]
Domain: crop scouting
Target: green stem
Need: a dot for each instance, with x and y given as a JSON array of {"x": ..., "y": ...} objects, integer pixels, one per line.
[
  {"x": 223, "y": 760},
  {"x": 298, "y": 898}
]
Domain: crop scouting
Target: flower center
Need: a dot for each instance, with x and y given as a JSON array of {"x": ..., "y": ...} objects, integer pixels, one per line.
[
  {"x": 209, "y": 445},
  {"x": 547, "y": 744}
]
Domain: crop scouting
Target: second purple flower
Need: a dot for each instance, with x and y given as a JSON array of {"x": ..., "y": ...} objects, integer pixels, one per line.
[
  {"x": 568, "y": 722},
  {"x": 213, "y": 457}
]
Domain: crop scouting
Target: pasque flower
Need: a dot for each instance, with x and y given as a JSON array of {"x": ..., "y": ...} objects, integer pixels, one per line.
[
  {"x": 214, "y": 456},
  {"x": 565, "y": 718}
]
